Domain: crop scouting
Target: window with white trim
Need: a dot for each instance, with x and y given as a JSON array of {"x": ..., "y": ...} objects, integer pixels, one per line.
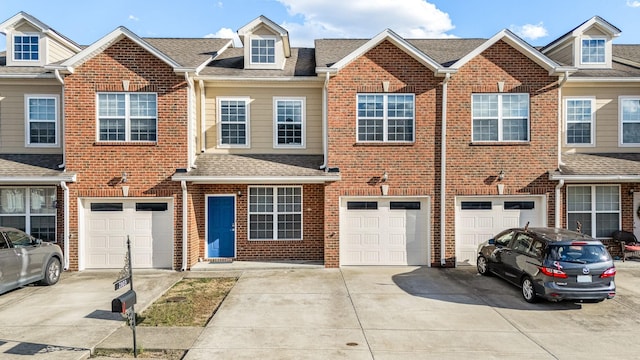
[
  {"x": 386, "y": 117},
  {"x": 596, "y": 207},
  {"x": 26, "y": 47},
  {"x": 275, "y": 213},
  {"x": 233, "y": 122},
  {"x": 127, "y": 117},
  {"x": 263, "y": 50},
  {"x": 579, "y": 117},
  {"x": 500, "y": 117},
  {"x": 630, "y": 120},
  {"x": 30, "y": 209},
  {"x": 41, "y": 113},
  {"x": 289, "y": 122},
  {"x": 593, "y": 51}
]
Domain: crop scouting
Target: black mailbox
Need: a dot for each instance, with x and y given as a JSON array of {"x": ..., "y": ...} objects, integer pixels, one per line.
[{"x": 123, "y": 302}]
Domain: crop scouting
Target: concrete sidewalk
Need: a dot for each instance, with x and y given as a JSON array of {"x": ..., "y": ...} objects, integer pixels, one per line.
[{"x": 67, "y": 320}]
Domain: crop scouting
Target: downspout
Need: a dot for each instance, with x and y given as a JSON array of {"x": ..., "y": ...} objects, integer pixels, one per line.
[
  {"x": 443, "y": 172},
  {"x": 202, "y": 117},
  {"x": 558, "y": 207},
  {"x": 65, "y": 215},
  {"x": 558, "y": 202},
  {"x": 185, "y": 232},
  {"x": 62, "y": 122},
  {"x": 325, "y": 122},
  {"x": 190, "y": 118}
]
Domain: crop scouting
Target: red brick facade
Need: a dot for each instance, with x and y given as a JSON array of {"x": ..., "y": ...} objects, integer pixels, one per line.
[
  {"x": 414, "y": 169},
  {"x": 100, "y": 165},
  {"x": 310, "y": 248}
]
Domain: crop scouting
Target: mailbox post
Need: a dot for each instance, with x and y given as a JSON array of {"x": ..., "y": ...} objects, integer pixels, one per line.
[{"x": 124, "y": 303}]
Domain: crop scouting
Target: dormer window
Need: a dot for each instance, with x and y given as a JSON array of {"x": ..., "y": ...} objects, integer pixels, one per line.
[
  {"x": 26, "y": 48},
  {"x": 263, "y": 50},
  {"x": 593, "y": 51}
]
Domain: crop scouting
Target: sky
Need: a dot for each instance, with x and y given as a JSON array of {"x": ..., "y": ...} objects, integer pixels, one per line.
[{"x": 538, "y": 22}]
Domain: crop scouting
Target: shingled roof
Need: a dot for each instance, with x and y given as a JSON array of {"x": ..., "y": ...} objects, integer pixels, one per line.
[
  {"x": 231, "y": 63},
  {"x": 37, "y": 166},
  {"x": 618, "y": 165},
  {"x": 188, "y": 52}
]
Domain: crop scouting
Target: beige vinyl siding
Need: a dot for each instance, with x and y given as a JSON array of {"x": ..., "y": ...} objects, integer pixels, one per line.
[
  {"x": 57, "y": 52},
  {"x": 12, "y": 115},
  {"x": 594, "y": 31},
  {"x": 607, "y": 122},
  {"x": 26, "y": 27},
  {"x": 261, "y": 118}
]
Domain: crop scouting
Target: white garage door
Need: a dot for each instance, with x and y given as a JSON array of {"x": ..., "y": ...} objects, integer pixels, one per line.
[
  {"x": 147, "y": 223},
  {"x": 480, "y": 218},
  {"x": 384, "y": 231}
]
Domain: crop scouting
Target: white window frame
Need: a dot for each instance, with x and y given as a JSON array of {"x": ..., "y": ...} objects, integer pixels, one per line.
[
  {"x": 246, "y": 101},
  {"x": 127, "y": 117},
  {"x": 303, "y": 101},
  {"x": 275, "y": 213},
  {"x": 28, "y": 120},
  {"x": 29, "y": 202},
  {"x": 385, "y": 120},
  {"x": 594, "y": 210},
  {"x": 263, "y": 37},
  {"x": 592, "y": 122},
  {"x": 501, "y": 119},
  {"x": 588, "y": 38},
  {"x": 622, "y": 121},
  {"x": 13, "y": 50}
]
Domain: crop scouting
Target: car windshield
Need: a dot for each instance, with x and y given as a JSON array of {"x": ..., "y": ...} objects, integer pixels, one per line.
[{"x": 581, "y": 254}]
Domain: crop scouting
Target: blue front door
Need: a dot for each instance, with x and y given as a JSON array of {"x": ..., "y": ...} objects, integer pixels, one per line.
[{"x": 221, "y": 239}]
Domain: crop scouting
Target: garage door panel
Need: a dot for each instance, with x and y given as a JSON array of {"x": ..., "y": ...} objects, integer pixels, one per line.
[
  {"x": 387, "y": 236},
  {"x": 480, "y": 218},
  {"x": 150, "y": 232}
]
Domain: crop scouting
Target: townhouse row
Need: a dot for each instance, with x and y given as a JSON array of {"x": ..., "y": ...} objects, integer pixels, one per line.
[{"x": 381, "y": 151}]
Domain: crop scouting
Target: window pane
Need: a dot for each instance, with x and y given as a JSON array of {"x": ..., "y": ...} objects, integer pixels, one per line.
[
  {"x": 261, "y": 199},
  {"x": 42, "y": 133},
  {"x": 18, "y": 222},
  {"x": 485, "y": 130},
  {"x": 593, "y": 51},
  {"x": 607, "y": 198},
  {"x": 143, "y": 130},
  {"x": 263, "y": 51},
  {"x": 289, "y": 200},
  {"x": 370, "y": 130},
  {"x": 476, "y": 205},
  {"x": 43, "y": 201},
  {"x": 515, "y": 130},
  {"x": 290, "y": 226},
  {"x": 606, "y": 224},
  {"x": 579, "y": 133},
  {"x": 142, "y": 105},
  {"x": 485, "y": 105},
  {"x": 370, "y": 106},
  {"x": 12, "y": 201},
  {"x": 111, "y": 105},
  {"x": 43, "y": 227},
  {"x": 260, "y": 226},
  {"x": 630, "y": 121},
  {"x": 362, "y": 205},
  {"x": 112, "y": 129},
  {"x": 631, "y": 109},
  {"x": 515, "y": 106},
  {"x": 289, "y": 122},
  {"x": 579, "y": 198},
  {"x": 585, "y": 221},
  {"x": 26, "y": 47}
]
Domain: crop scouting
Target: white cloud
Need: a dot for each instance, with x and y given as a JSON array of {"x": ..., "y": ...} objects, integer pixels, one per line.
[
  {"x": 633, "y": 4},
  {"x": 226, "y": 33},
  {"x": 219, "y": 4},
  {"x": 530, "y": 31},
  {"x": 133, "y": 18},
  {"x": 364, "y": 19}
]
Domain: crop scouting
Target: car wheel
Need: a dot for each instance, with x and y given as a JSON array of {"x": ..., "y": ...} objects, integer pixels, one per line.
[
  {"x": 482, "y": 265},
  {"x": 51, "y": 272},
  {"x": 528, "y": 291}
]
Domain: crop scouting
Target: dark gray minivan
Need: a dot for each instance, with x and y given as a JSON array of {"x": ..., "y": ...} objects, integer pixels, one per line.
[{"x": 555, "y": 264}]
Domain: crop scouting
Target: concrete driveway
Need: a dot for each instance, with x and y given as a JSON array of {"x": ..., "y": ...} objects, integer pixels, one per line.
[
  {"x": 410, "y": 313},
  {"x": 66, "y": 320}
]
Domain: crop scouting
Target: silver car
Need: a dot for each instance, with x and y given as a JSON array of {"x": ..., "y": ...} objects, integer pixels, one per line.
[{"x": 25, "y": 260}]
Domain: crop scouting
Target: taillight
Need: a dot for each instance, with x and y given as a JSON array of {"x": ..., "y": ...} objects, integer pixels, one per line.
[
  {"x": 578, "y": 243},
  {"x": 553, "y": 272},
  {"x": 610, "y": 272}
]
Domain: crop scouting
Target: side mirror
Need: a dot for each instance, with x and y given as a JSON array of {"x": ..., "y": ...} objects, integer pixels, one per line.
[{"x": 35, "y": 241}]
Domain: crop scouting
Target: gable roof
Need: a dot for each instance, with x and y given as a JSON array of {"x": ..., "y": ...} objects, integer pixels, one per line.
[
  {"x": 191, "y": 52},
  {"x": 230, "y": 64},
  {"x": 44, "y": 28},
  {"x": 520, "y": 45},
  {"x": 111, "y": 38},
  {"x": 263, "y": 20},
  {"x": 347, "y": 55},
  {"x": 578, "y": 30}
]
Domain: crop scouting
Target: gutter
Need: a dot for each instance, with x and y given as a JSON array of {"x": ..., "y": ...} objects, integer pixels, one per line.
[
  {"x": 257, "y": 179},
  {"x": 65, "y": 234},
  {"x": 558, "y": 219},
  {"x": 560, "y": 122},
  {"x": 202, "y": 117},
  {"x": 190, "y": 117},
  {"x": 185, "y": 233},
  {"x": 62, "y": 121},
  {"x": 443, "y": 172},
  {"x": 325, "y": 122}
]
